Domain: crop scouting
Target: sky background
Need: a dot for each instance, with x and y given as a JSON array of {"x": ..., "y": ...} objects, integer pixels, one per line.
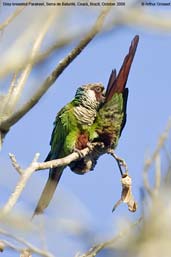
[{"x": 89, "y": 199}]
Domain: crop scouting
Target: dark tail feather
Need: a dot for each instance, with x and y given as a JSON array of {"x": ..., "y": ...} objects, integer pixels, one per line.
[
  {"x": 48, "y": 191},
  {"x": 111, "y": 82},
  {"x": 117, "y": 85}
]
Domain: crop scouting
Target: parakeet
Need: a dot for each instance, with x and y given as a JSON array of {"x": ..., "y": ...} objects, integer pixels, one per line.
[
  {"x": 70, "y": 133},
  {"x": 92, "y": 116},
  {"x": 111, "y": 116}
]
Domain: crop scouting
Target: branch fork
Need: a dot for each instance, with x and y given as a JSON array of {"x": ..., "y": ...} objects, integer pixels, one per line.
[{"x": 25, "y": 174}]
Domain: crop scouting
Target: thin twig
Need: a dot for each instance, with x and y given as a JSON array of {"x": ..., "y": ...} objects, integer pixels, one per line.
[
  {"x": 6, "y": 244},
  {"x": 5, "y": 105},
  {"x": 15, "y": 94},
  {"x": 58, "y": 45},
  {"x": 109, "y": 243},
  {"x": 40, "y": 57},
  {"x": 13, "y": 16},
  {"x": 16, "y": 89},
  {"x": 15, "y": 164},
  {"x": 121, "y": 162},
  {"x": 141, "y": 17},
  {"x": 8, "y": 122},
  {"x": 29, "y": 246},
  {"x": 121, "y": 17},
  {"x": 27, "y": 173},
  {"x": 156, "y": 153},
  {"x": 19, "y": 187},
  {"x": 158, "y": 174}
]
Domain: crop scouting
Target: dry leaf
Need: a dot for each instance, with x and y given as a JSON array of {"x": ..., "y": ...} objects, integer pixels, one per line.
[{"x": 126, "y": 195}]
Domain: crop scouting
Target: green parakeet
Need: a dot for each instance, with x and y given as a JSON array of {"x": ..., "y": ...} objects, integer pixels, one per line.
[
  {"x": 92, "y": 116},
  {"x": 111, "y": 116},
  {"x": 71, "y": 133}
]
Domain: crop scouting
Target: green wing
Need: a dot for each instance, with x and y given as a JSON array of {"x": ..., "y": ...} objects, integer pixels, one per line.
[
  {"x": 107, "y": 126},
  {"x": 57, "y": 138},
  {"x": 64, "y": 134},
  {"x": 111, "y": 117}
]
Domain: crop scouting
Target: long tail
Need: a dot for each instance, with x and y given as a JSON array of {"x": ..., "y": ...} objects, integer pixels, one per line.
[
  {"x": 117, "y": 83},
  {"x": 49, "y": 189}
]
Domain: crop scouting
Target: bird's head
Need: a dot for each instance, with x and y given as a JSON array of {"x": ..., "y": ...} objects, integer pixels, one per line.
[{"x": 90, "y": 95}]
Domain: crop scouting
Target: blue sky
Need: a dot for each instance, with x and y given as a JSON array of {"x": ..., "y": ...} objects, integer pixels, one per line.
[{"x": 93, "y": 195}]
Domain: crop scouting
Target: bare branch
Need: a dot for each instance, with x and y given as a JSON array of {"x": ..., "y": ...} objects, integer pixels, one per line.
[
  {"x": 143, "y": 18},
  {"x": 6, "y": 244},
  {"x": 8, "y": 122},
  {"x": 18, "y": 88},
  {"x": 15, "y": 164},
  {"x": 58, "y": 45},
  {"x": 36, "y": 157},
  {"x": 126, "y": 16},
  {"x": 27, "y": 173},
  {"x": 40, "y": 57},
  {"x": 109, "y": 243},
  {"x": 12, "y": 16},
  {"x": 5, "y": 104},
  {"x": 63, "y": 161},
  {"x": 121, "y": 162},
  {"x": 153, "y": 158},
  {"x": 30, "y": 247},
  {"x": 158, "y": 174}
]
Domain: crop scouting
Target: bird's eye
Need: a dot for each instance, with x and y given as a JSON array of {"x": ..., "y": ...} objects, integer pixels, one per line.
[{"x": 98, "y": 89}]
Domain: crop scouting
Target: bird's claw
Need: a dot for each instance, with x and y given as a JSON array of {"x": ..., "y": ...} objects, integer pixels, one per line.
[
  {"x": 90, "y": 146},
  {"x": 81, "y": 155}
]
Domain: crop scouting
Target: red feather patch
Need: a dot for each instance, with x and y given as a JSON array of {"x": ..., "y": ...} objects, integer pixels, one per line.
[{"x": 82, "y": 141}]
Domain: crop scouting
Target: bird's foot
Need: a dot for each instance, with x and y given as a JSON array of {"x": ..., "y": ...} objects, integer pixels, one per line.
[
  {"x": 99, "y": 144},
  {"x": 90, "y": 146},
  {"x": 121, "y": 162},
  {"x": 81, "y": 155}
]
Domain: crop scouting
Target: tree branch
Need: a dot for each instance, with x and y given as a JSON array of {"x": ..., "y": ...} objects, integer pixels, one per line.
[
  {"x": 6, "y": 244},
  {"x": 8, "y": 122},
  {"x": 15, "y": 164},
  {"x": 36, "y": 46},
  {"x": 5, "y": 101},
  {"x": 155, "y": 159},
  {"x": 126, "y": 16},
  {"x": 94, "y": 250},
  {"x": 13, "y": 16},
  {"x": 34, "y": 166},
  {"x": 17, "y": 88},
  {"x": 143, "y": 18},
  {"x": 20, "y": 185},
  {"x": 30, "y": 247}
]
